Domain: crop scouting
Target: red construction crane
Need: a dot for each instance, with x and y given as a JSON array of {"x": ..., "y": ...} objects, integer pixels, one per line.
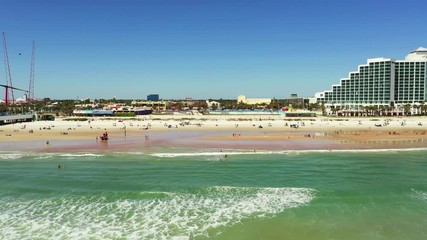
[
  {"x": 6, "y": 95},
  {"x": 9, "y": 89}
]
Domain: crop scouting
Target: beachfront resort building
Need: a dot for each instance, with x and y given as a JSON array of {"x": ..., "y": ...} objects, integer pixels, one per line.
[{"x": 381, "y": 82}]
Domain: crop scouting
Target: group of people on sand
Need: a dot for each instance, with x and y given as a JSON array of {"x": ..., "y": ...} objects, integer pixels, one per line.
[{"x": 104, "y": 136}]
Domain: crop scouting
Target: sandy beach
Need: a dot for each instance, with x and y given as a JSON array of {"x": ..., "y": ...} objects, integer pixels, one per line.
[{"x": 228, "y": 132}]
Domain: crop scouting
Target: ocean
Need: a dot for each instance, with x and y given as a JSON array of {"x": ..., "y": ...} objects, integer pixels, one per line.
[{"x": 169, "y": 193}]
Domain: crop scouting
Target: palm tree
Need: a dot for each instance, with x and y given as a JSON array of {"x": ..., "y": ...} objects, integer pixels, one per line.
[
  {"x": 417, "y": 107},
  {"x": 363, "y": 108},
  {"x": 337, "y": 109},
  {"x": 407, "y": 109},
  {"x": 323, "y": 109},
  {"x": 333, "y": 110},
  {"x": 368, "y": 110},
  {"x": 423, "y": 108},
  {"x": 382, "y": 110},
  {"x": 388, "y": 109},
  {"x": 313, "y": 106}
]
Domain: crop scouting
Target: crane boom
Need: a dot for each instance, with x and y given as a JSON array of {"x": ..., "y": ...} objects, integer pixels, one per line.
[{"x": 6, "y": 86}]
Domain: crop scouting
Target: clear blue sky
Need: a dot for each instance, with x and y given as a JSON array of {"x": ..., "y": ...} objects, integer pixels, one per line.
[{"x": 200, "y": 48}]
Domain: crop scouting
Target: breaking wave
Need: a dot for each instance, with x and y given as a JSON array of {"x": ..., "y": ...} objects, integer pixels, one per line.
[
  {"x": 32, "y": 155},
  {"x": 79, "y": 155},
  {"x": 222, "y": 153},
  {"x": 149, "y": 215},
  {"x": 420, "y": 195},
  {"x": 11, "y": 155}
]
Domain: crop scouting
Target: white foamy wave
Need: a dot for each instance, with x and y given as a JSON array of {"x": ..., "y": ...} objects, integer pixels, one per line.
[
  {"x": 193, "y": 154},
  {"x": 44, "y": 156},
  {"x": 219, "y": 153},
  {"x": 130, "y": 153},
  {"x": 33, "y": 155},
  {"x": 11, "y": 156},
  {"x": 222, "y": 153},
  {"x": 420, "y": 195},
  {"x": 153, "y": 216},
  {"x": 73, "y": 155},
  {"x": 382, "y": 150}
]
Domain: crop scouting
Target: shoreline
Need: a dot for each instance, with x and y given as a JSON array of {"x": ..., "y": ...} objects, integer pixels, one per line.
[
  {"x": 216, "y": 154},
  {"x": 219, "y": 132}
]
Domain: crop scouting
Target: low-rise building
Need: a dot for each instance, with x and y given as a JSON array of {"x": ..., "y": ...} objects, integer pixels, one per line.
[
  {"x": 253, "y": 101},
  {"x": 155, "y": 105}
]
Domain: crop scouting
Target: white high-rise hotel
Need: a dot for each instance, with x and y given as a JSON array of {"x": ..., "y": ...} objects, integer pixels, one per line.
[{"x": 382, "y": 81}]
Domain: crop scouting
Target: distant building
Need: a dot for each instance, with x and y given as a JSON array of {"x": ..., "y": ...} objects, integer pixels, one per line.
[
  {"x": 381, "y": 82},
  {"x": 155, "y": 105},
  {"x": 294, "y": 100},
  {"x": 93, "y": 112},
  {"x": 153, "y": 97},
  {"x": 252, "y": 101},
  {"x": 213, "y": 104}
]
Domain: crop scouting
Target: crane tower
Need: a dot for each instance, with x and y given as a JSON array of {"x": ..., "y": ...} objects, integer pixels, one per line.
[
  {"x": 9, "y": 90},
  {"x": 31, "y": 86}
]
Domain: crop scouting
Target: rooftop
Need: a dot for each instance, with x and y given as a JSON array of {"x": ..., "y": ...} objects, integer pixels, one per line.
[{"x": 419, "y": 54}]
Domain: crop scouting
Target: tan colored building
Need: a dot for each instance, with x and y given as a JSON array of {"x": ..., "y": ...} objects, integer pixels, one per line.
[{"x": 252, "y": 101}]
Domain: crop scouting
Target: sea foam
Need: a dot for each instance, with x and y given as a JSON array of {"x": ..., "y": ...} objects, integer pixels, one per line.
[
  {"x": 11, "y": 156},
  {"x": 36, "y": 155},
  {"x": 155, "y": 215},
  {"x": 420, "y": 195},
  {"x": 72, "y": 155},
  {"x": 265, "y": 152}
]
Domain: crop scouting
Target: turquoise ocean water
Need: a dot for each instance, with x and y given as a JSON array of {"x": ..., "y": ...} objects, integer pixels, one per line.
[{"x": 195, "y": 194}]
